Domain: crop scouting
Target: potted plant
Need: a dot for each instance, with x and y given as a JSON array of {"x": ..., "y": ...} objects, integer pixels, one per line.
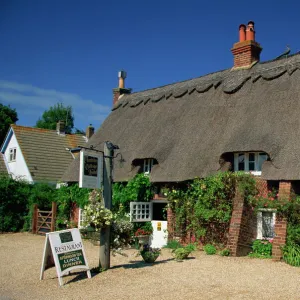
[
  {"x": 143, "y": 233},
  {"x": 143, "y": 236},
  {"x": 149, "y": 254}
]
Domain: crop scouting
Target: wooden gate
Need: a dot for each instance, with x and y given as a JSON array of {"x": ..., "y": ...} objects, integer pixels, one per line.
[{"x": 43, "y": 221}]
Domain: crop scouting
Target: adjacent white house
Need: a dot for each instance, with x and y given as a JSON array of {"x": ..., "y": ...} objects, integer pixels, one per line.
[{"x": 39, "y": 155}]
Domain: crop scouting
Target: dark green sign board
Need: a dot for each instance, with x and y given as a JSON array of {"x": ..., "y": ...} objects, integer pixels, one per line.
[{"x": 71, "y": 259}]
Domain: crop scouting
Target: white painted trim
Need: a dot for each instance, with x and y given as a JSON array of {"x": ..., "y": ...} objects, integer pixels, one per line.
[
  {"x": 259, "y": 235},
  {"x": 137, "y": 206},
  {"x": 159, "y": 201}
]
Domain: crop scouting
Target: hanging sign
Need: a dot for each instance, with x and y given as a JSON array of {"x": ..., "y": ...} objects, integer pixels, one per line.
[
  {"x": 64, "y": 249},
  {"x": 91, "y": 169}
]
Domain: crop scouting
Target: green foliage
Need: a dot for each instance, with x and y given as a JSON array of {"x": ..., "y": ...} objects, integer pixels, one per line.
[
  {"x": 96, "y": 214},
  {"x": 121, "y": 233},
  {"x": 13, "y": 203},
  {"x": 173, "y": 244},
  {"x": 56, "y": 113},
  {"x": 261, "y": 249},
  {"x": 41, "y": 194},
  {"x": 210, "y": 249},
  {"x": 205, "y": 201},
  {"x": 149, "y": 254},
  {"x": 7, "y": 116},
  {"x": 65, "y": 197},
  {"x": 138, "y": 189},
  {"x": 181, "y": 253},
  {"x": 291, "y": 254},
  {"x": 225, "y": 252}
]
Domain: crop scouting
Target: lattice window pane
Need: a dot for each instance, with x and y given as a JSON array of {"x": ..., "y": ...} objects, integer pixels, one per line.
[{"x": 140, "y": 211}]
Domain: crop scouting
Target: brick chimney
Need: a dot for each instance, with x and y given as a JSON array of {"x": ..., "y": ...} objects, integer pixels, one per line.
[
  {"x": 117, "y": 92},
  {"x": 246, "y": 52},
  {"x": 89, "y": 131},
  {"x": 60, "y": 127}
]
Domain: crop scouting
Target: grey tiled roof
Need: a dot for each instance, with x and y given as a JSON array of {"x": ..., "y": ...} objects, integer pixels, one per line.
[{"x": 45, "y": 151}]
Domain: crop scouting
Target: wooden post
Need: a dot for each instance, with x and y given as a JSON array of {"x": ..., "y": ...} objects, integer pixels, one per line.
[
  {"x": 107, "y": 194},
  {"x": 34, "y": 218},
  {"x": 53, "y": 219}
]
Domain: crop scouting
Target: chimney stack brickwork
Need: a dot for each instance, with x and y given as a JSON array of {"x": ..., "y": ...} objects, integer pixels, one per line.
[
  {"x": 89, "y": 131},
  {"x": 121, "y": 90},
  {"x": 246, "y": 52},
  {"x": 61, "y": 127}
]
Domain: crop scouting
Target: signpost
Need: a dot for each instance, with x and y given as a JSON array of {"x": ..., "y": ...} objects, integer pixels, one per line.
[
  {"x": 64, "y": 249},
  {"x": 91, "y": 169}
]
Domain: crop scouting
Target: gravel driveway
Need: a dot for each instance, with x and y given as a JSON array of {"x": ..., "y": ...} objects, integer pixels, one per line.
[{"x": 201, "y": 277}]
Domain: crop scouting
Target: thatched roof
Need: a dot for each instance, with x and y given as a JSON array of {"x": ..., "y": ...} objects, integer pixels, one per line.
[{"x": 188, "y": 125}]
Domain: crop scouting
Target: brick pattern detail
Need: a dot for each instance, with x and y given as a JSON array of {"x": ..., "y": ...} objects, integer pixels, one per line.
[
  {"x": 245, "y": 53},
  {"x": 117, "y": 92},
  {"x": 285, "y": 190},
  {"x": 74, "y": 214},
  {"x": 242, "y": 227},
  {"x": 170, "y": 224}
]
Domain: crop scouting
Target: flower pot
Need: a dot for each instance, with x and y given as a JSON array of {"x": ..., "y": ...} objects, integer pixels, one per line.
[
  {"x": 149, "y": 257},
  {"x": 143, "y": 239}
]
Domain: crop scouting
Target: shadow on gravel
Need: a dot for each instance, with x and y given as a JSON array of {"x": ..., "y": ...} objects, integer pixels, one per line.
[{"x": 141, "y": 264}]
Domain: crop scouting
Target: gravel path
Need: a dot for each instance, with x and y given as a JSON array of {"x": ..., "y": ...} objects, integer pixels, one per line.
[{"x": 201, "y": 277}]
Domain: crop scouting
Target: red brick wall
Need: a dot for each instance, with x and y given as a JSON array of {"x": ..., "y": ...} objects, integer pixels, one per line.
[
  {"x": 285, "y": 190},
  {"x": 242, "y": 228},
  {"x": 74, "y": 214}
]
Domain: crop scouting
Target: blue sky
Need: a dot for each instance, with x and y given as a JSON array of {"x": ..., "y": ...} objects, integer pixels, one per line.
[{"x": 70, "y": 51}]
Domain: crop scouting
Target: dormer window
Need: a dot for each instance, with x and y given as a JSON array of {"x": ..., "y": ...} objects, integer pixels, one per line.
[
  {"x": 148, "y": 164},
  {"x": 144, "y": 165},
  {"x": 249, "y": 161}
]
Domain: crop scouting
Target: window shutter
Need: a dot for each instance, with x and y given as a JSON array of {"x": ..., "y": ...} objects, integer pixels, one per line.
[{"x": 141, "y": 211}]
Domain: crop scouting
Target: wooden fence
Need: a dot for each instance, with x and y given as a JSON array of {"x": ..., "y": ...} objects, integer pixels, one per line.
[{"x": 43, "y": 221}]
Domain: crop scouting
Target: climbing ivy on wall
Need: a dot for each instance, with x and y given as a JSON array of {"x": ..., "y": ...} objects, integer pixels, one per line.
[{"x": 204, "y": 208}]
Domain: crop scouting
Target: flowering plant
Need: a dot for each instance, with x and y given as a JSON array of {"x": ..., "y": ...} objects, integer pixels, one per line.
[
  {"x": 96, "y": 214},
  {"x": 141, "y": 231},
  {"x": 146, "y": 229},
  {"x": 150, "y": 254}
]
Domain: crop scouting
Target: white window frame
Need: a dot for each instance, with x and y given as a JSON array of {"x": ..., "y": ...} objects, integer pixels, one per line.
[
  {"x": 12, "y": 154},
  {"x": 147, "y": 166},
  {"x": 260, "y": 222},
  {"x": 81, "y": 216},
  {"x": 255, "y": 172},
  {"x": 141, "y": 211}
]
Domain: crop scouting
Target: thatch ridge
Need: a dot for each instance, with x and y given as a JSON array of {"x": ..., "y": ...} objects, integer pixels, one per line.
[{"x": 190, "y": 124}]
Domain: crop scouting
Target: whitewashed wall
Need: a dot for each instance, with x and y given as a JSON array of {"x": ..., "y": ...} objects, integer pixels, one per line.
[{"x": 17, "y": 168}]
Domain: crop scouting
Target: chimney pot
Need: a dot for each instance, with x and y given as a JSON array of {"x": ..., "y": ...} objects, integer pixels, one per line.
[
  {"x": 117, "y": 92},
  {"x": 90, "y": 130},
  {"x": 250, "y": 33},
  {"x": 122, "y": 75},
  {"x": 60, "y": 127},
  {"x": 242, "y": 32}
]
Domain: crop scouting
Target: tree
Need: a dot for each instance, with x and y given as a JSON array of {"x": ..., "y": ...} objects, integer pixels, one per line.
[
  {"x": 7, "y": 116},
  {"x": 56, "y": 113}
]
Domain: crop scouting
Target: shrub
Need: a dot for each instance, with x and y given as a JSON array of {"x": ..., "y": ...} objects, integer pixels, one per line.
[
  {"x": 137, "y": 189},
  {"x": 173, "y": 244},
  {"x": 291, "y": 255},
  {"x": 261, "y": 249},
  {"x": 181, "y": 253},
  {"x": 13, "y": 203},
  {"x": 210, "y": 249},
  {"x": 225, "y": 252}
]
